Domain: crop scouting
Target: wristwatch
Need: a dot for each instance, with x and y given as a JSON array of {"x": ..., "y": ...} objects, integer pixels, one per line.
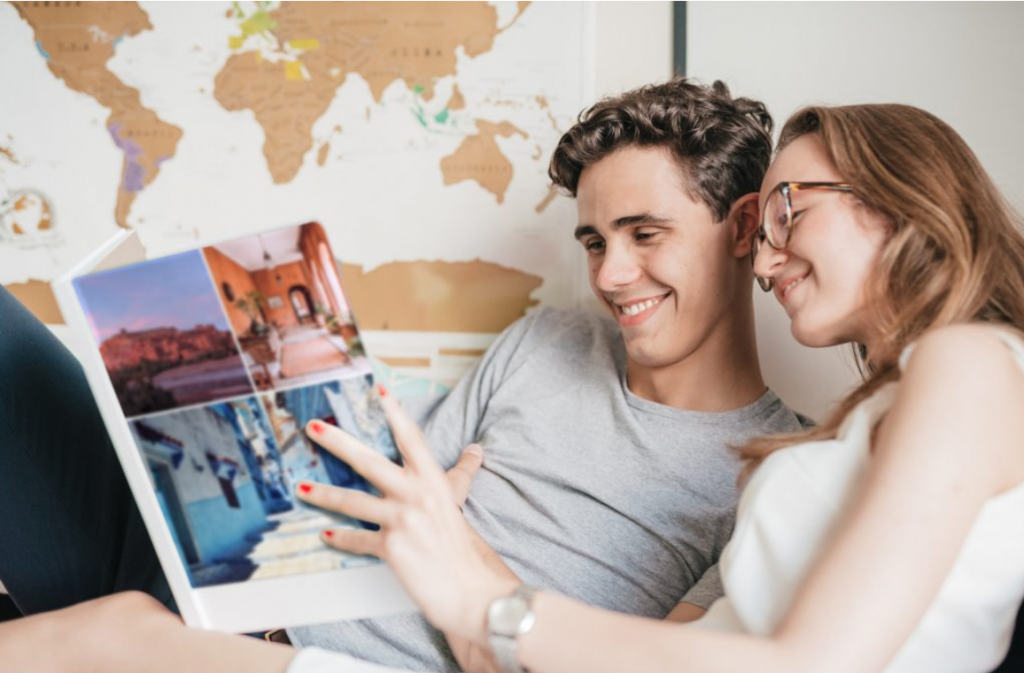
[{"x": 508, "y": 618}]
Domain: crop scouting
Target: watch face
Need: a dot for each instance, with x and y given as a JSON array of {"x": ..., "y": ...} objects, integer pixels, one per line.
[{"x": 506, "y": 615}]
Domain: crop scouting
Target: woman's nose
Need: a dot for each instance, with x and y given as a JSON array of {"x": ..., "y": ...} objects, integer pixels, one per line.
[{"x": 769, "y": 260}]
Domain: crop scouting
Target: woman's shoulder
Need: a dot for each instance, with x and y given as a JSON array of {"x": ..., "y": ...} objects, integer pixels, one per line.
[
  {"x": 966, "y": 364},
  {"x": 962, "y": 389},
  {"x": 969, "y": 332},
  {"x": 951, "y": 349}
]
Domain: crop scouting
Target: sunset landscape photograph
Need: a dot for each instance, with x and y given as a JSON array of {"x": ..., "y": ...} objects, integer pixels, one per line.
[{"x": 162, "y": 334}]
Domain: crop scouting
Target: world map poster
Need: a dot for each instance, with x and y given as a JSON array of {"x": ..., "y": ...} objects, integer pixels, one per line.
[{"x": 417, "y": 134}]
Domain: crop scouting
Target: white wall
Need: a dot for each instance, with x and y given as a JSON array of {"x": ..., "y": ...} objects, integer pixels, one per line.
[
  {"x": 632, "y": 45},
  {"x": 961, "y": 61}
]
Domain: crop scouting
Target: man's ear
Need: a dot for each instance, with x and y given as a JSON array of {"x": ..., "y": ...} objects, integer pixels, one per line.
[{"x": 743, "y": 221}]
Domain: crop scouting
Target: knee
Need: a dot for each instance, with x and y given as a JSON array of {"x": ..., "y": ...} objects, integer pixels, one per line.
[
  {"x": 93, "y": 625},
  {"x": 78, "y": 638},
  {"x": 129, "y": 610}
]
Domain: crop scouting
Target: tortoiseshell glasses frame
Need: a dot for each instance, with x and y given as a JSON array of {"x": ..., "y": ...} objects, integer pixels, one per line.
[{"x": 777, "y": 217}]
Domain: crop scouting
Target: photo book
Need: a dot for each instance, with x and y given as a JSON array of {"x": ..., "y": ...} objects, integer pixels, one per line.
[{"x": 206, "y": 366}]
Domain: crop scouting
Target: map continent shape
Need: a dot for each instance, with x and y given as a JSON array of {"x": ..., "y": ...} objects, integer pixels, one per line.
[
  {"x": 480, "y": 159},
  {"x": 411, "y": 42},
  {"x": 436, "y": 296},
  {"x": 77, "y": 40}
]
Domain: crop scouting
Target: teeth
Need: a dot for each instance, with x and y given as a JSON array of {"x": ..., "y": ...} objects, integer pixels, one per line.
[
  {"x": 636, "y": 309},
  {"x": 792, "y": 285}
]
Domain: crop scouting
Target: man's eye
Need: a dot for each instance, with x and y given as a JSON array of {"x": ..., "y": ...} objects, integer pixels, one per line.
[
  {"x": 594, "y": 246},
  {"x": 644, "y": 235}
]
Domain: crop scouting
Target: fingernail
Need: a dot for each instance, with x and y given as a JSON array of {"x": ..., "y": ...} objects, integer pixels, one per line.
[
  {"x": 305, "y": 488},
  {"x": 381, "y": 390},
  {"x": 328, "y": 533},
  {"x": 317, "y": 427},
  {"x": 475, "y": 450}
]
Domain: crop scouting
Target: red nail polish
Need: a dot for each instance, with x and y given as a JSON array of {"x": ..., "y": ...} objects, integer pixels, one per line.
[
  {"x": 381, "y": 390},
  {"x": 328, "y": 533},
  {"x": 317, "y": 427},
  {"x": 305, "y": 488}
]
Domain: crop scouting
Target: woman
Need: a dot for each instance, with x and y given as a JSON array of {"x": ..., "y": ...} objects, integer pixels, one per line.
[{"x": 890, "y": 538}]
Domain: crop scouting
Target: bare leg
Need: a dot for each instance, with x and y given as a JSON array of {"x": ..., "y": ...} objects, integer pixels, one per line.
[{"x": 130, "y": 633}]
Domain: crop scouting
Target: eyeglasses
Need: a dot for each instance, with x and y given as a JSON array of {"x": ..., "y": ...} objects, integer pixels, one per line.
[{"x": 777, "y": 218}]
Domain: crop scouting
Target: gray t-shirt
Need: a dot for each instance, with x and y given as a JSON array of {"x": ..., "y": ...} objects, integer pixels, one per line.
[{"x": 586, "y": 489}]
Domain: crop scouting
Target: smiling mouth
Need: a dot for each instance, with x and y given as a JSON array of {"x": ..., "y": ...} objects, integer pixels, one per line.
[
  {"x": 790, "y": 285},
  {"x": 638, "y": 307}
]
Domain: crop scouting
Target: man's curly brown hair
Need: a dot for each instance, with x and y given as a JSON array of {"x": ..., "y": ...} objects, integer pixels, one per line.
[{"x": 723, "y": 144}]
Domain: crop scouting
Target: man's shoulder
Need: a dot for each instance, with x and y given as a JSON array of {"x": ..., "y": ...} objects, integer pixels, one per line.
[
  {"x": 777, "y": 417},
  {"x": 571, "y": 326},
  {"x": 549, "y": 334}
]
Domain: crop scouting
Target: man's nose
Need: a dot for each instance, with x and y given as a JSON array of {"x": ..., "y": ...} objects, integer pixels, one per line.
[
  {"x": 769, "y": 260},
  {"x": 618, "y": 268}
]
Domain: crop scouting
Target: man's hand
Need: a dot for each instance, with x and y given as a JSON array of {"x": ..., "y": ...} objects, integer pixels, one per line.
[
  {"x": 685, "y": 612},
  {"x": 460, "y": 477}
]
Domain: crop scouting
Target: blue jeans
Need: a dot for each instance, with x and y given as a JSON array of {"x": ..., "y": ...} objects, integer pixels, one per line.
[{"x": 69, "y": 528}]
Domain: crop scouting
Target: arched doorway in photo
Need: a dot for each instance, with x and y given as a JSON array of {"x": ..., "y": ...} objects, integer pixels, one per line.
[{"x": 302, "y": 303}]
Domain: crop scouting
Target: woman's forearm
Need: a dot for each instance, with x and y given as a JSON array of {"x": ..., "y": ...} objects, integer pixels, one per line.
[
  {"x": 570, "y": 637},
  {"x": 471, "y": 656}
]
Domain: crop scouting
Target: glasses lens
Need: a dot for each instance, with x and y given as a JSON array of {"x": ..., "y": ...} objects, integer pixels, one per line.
[{"x": 776, "y": 220}]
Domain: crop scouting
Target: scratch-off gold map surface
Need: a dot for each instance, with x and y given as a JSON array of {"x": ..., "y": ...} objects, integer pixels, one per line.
[{"x": 417, "y": 133}]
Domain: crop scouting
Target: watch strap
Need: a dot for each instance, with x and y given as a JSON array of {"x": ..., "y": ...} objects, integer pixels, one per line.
[{"x": 506, "y": 654}]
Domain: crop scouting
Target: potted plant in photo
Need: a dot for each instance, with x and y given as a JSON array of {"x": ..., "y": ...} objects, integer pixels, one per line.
[
  {"x": 347, "y": 327},
  {"x": 355, "y": 345},
  {"x": 252, "y": 304}
]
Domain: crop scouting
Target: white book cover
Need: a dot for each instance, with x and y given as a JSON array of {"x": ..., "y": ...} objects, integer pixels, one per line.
[{"x": 206, "y": 366}]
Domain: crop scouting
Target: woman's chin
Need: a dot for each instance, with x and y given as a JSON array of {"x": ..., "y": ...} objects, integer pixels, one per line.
[{"x": 813, "y": 336}]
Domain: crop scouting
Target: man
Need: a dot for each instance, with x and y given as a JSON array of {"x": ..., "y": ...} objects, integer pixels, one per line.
[{"x": 608, "y": 475}]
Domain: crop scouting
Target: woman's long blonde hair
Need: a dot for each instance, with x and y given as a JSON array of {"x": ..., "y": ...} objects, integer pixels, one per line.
[{"x": 955, "y": 252}]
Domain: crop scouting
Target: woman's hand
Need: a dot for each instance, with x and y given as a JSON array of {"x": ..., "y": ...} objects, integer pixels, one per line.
[{"x": 423, "y": 536}]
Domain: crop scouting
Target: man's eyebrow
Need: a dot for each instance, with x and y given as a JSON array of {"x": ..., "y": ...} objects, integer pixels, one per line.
[
  {"x": 642, "y": 218},
  {"x": 584, "y": 230},
  {"x": 627, "y": 221}
]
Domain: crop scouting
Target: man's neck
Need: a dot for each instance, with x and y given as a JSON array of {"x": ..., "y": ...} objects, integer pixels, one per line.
[{"x": 721, "y": 374}]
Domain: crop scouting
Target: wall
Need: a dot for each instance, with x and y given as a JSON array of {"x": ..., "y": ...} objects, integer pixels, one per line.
[
  {"x": 941, "y": 56},
  {"x": 311, "y": 242},
  {"x": 961, "y": 61},
  {"x": 275, "y": 283},
  {"x": 224, "y": 269},
  {"x": 216, "y": 528},
  {"x": 632, "y": 45}
]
